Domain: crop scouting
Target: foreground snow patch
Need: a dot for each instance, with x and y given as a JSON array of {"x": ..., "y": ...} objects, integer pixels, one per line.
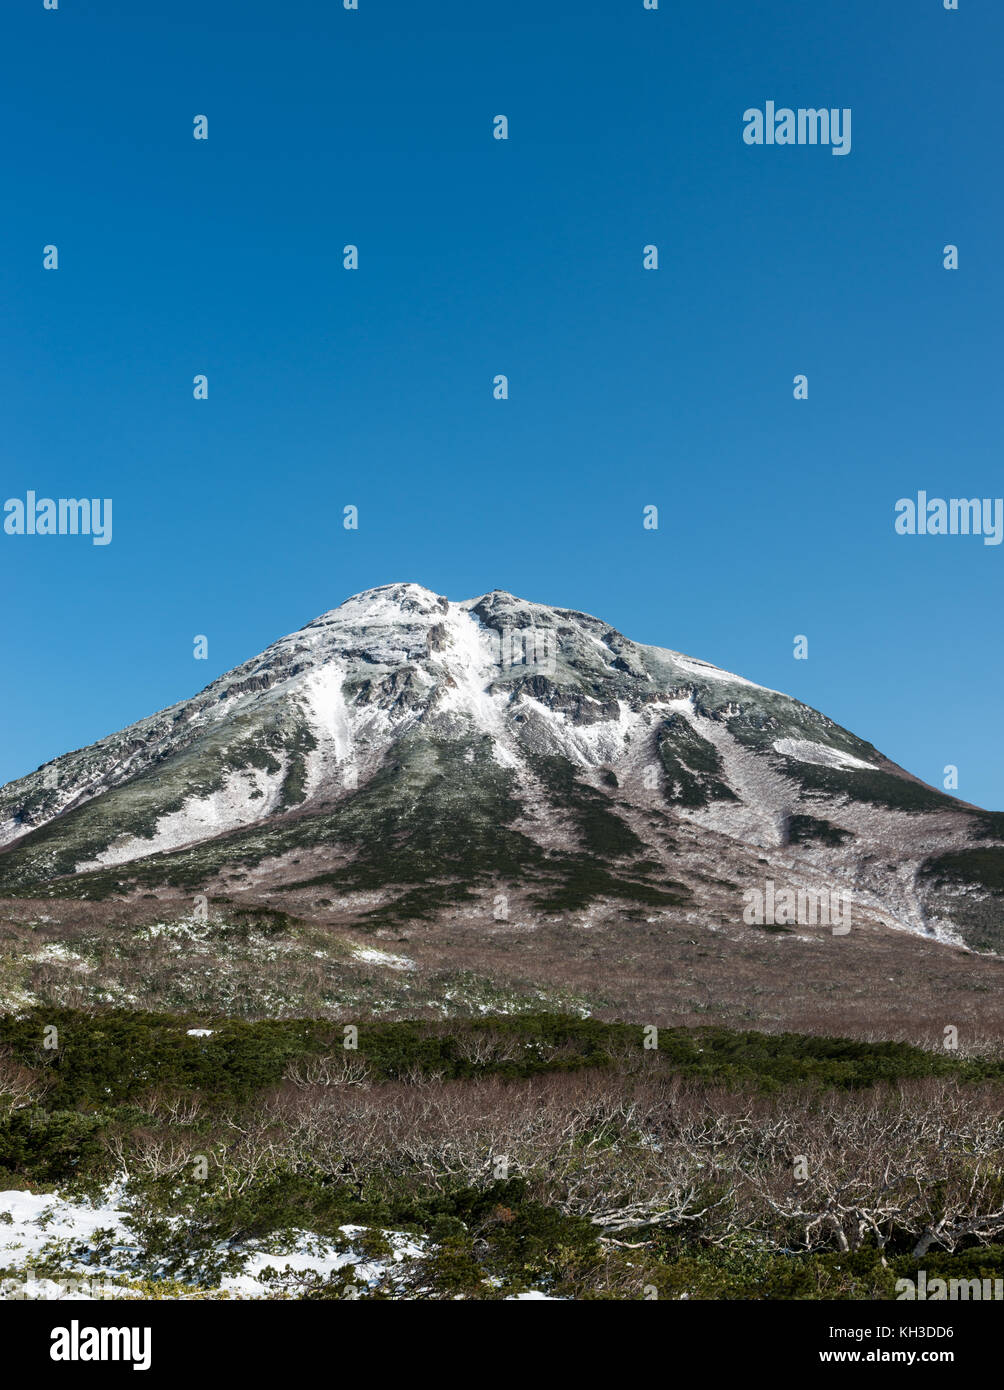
[
  {"x": 39, "y": 1218},
  {"x": 372, "y": 956},
  {"x": 37, "y": 1228}
]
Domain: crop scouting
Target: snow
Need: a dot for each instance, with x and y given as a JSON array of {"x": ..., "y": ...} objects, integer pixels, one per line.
[
  {"x": 38, "y": 1219},
  {"x": 372, "y": 956},
  {"x": 473, "y": 669},
  {"x": 328, "y": 701},
  {"x": 384, "y": 606},
  {"x": 77, "y": 1290},
  {"x": 10, "y": 829},
  {"x": 706, "y": 671},
  {"x": 805, "y": 751},
  {"x": 200, "y": 1032},
  {"x": 318, "y": 1257},
  {"x": 57, "y": 950},
  {"x": 592, "y": 745},
  {"x": 760, "y": 815},
  {"x": 330, "y": 722},
  {"x": 199, "y": 818}
]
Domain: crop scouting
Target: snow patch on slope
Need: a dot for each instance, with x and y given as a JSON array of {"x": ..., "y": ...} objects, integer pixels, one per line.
[
  {"x": 331, "y": 726},
  {"x": 473, "y": 668},
  {"x": 820, "y": 754},
  {"x": 372, "y": 956},
  {"x": 11, "y": 829},
  {"x": 706, "y": 671},
  {"x": 590, "y": 745},
  {"x": 200, "y": 817}
]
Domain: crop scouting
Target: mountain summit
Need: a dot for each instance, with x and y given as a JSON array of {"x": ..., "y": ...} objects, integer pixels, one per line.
[{"x": 405, "y": 757}]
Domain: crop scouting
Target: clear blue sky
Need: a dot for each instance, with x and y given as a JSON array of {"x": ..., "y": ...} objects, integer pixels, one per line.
[{"x": 479, "y": 257}]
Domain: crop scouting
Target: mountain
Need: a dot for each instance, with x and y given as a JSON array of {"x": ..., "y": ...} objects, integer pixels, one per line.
[{"x": 404, "y": 758}]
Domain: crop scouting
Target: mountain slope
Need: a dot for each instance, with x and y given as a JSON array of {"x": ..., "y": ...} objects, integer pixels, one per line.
[{"x": 404, "y": 756}]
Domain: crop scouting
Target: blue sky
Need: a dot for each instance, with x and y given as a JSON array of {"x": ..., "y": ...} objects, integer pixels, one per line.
[{"x": 477, "y": 257}]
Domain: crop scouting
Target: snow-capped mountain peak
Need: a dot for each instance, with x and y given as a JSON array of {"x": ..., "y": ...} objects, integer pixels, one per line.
[{"x": 512, "y": 719}]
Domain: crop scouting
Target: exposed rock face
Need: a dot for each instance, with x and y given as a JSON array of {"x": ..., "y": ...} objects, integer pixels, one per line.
[{"x": 421, "y": 752}]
